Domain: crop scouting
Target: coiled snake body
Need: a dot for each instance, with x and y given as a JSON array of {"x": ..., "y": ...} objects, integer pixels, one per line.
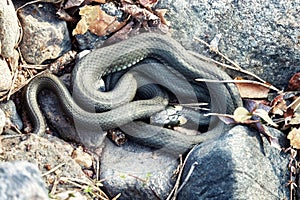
[{"x": 116, "y": 108}]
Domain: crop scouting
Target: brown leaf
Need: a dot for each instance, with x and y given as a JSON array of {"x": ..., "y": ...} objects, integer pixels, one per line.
[
  {"x": 278, "y": 105},
  {"x": 294, "y": 83},
  {"x": 140, "y": 14},
  {"x": 96, "y": 21},
  {"x": 294, "y": 137},
  {"x": 252, "y": 89}
]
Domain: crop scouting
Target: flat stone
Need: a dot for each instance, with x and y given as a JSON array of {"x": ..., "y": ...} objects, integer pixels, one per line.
[
  {"x": 137, "y": 172},
  {"x": 239, "y": 165},
  {"x": 21, "y": 180},
  {"x": 45, "y": 36}
]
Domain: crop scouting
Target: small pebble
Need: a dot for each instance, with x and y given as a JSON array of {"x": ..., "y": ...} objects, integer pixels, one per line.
[{"x": 82, "y": 158}]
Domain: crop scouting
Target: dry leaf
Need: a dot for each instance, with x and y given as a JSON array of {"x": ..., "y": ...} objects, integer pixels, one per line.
[
  {"x": 96, "y": 21},
  {"x": 294, "y": 137},
  {"x": 139, "y": 14},
  {"x": 241, "y": 114},
  {"x": 252, "y": 89},
  {"x": 265, "y": 116},
  {"x": 294, "y": 82},
  {"x": 230, "y": 119},
  {"x": 278, "y": 105}
]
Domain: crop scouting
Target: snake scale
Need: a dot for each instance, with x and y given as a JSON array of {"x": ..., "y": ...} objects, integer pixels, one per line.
[{"x": 91, "y": 108}]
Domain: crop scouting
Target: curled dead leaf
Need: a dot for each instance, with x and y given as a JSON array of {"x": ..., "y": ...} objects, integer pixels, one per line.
[
  {"x": 252, "y": 89},
  {"x": 265, "y": 116},
  {"x": 278, "y": 105},
  {"x": 96, "y": 21},
  {"x": 241, "y": 114}
]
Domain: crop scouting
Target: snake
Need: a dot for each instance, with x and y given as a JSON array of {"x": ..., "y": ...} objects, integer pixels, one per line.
[{"x": 93, "y": 109}]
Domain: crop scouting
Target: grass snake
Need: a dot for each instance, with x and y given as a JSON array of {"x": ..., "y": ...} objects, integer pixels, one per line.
[{"x": 92, "y": 109}]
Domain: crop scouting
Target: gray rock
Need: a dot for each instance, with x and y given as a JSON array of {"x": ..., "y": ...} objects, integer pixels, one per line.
[
  {"x": 89, "y": 40},
  {"x": 21, "y": 181},
  {"x": 2, "y": 121},
  {"x": 45, "y": 36},
  {"x": 136, "y": 171},
  {"x": 237, "y": 166},
  {"x": 47, "y": 153},
  {"x": 5, "y": 77},
  {"x": 9, "y": 29},
  {"x": 261, "y": 36},
  {"x": 10, "y": 108}
]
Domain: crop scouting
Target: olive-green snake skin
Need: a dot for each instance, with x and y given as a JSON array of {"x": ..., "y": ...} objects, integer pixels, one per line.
[{"x": 117, "y": 108}]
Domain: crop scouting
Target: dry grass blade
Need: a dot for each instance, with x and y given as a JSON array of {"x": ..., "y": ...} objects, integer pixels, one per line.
[
  {"x": 235, "y": 66},
  {"x": 295, "y": 104},
  {"x": 13, "y": 91},
  {"x": 238, "y": 81},
  {"x": 54, "y": 169},
  {"x": 82, "y": 184},
  {"x": 15, "y": 74}
]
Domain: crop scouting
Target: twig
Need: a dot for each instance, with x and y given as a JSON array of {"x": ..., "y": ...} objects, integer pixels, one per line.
[
  {"x": 193, "y": 104},
  {"x": 38, "y": 1},
  {"x": 187, "y": 177},
  {"x": 54, "y": 186},
  {"x": 238, "y": 81},
  {"x": 16, "y": 128},
  {"x": 174, "y": 191},
  {"x": 13, "y": 83},
  {"x": 54, "y": 169},
  {"x": 236, "y": 67},
  {"x": 3, "y": 137},
  {"x": 39, "y": 67},
  {"x": 22, "y": 85},
  {"x": 218, "y": 52}
]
